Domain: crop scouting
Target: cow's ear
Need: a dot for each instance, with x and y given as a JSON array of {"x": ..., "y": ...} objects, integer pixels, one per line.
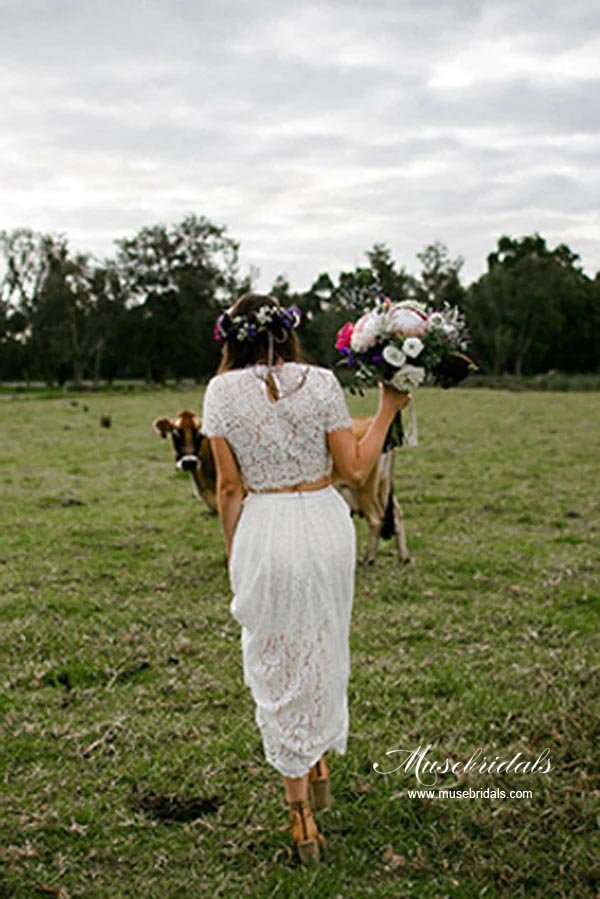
[{"x": 162, "y": 426}]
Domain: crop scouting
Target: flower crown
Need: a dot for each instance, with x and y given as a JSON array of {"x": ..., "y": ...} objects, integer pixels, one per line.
[{"x": 276, "y": 319}]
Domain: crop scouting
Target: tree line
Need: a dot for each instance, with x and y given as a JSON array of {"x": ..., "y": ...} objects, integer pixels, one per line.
[{"x": 148, "y": 312}]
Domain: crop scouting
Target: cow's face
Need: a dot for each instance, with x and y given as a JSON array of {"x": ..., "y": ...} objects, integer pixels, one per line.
[{"x": 186, "y": 434}]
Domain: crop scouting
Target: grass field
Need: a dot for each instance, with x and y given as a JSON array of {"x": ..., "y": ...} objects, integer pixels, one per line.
[{"x": 121, "y": 664}]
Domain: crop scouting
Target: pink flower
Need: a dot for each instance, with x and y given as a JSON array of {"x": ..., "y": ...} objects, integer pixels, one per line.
[
  {"x": 366, "y": 331},
  {"x": 343, "y": 336},
  {"x": 407, "y": 321}
]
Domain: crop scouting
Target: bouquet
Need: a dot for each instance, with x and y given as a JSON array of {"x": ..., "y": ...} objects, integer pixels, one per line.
[{"x": 406, "y": 344}]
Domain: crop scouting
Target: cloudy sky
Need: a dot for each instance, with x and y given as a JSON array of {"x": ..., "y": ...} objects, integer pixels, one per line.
[{"x": 311, "y": 130}]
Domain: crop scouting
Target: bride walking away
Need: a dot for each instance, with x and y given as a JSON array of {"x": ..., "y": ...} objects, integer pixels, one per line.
[{"x": 276, "y": 423}]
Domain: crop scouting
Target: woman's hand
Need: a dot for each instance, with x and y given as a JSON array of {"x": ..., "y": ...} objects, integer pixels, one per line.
[{"x": 397, "y": 399}]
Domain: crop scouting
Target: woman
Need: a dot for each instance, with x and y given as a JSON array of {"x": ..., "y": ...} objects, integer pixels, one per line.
[{"x": 275, "y": 423}]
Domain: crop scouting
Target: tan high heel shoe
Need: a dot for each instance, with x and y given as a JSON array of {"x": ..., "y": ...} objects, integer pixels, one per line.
[
  {"x": 305, "y": 832},
  {"x": 318, "y": 780}
]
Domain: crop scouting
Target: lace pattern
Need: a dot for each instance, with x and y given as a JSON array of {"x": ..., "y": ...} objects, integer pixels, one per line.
[
  {"x": 292, "y": 576},
  {"x": 277, "y": 444}
]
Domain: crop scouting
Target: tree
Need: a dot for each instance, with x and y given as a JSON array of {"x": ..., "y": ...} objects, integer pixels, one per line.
[
  {"x": 518, "y": 310},
  {"x": 440, "y": 277},
  {"x": 108, "y": 325},
  {"x": 320, "y": 319},
  {"x": 281, "y": 290},
  {"x": 393, "y": 280},
  {"x": 26, "y": 254},
  {"x": 182, "y": 276},
  {"x": 33, "y": 289}
]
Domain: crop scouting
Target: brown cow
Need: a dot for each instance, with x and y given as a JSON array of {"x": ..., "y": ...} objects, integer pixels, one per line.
[
  {"x": 192, "y": 453},
  {"x": 374, "y": 500}
]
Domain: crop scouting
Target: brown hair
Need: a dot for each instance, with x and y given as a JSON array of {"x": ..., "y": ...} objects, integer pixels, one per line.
[{"x": 240, "y": 353}]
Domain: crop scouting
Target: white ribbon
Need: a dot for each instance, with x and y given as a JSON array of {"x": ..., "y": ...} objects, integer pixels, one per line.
[
  {"x": 271, "y": 366},
  {"x": 411, "y": 434},
  {"x": 270, "y": 351}
]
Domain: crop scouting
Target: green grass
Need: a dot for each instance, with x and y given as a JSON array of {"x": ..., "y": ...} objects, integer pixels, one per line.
[{"x": 121, "y": 664}]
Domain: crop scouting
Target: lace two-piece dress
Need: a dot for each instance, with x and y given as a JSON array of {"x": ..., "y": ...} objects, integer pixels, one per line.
[{"x": 293, "y": 555}]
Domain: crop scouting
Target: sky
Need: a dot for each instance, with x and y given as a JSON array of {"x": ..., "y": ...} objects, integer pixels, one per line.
[{"x": 310, "y": 130}]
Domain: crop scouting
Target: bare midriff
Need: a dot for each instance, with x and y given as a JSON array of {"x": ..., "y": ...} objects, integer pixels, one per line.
[{"x": 302, "y": 486}]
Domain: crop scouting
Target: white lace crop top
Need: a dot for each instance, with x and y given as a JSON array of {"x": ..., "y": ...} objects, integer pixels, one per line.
[{"x": 277, "y": 443}]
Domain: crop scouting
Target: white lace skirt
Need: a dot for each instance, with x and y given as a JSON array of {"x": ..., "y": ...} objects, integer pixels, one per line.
[{"x": 291, "y": 571}]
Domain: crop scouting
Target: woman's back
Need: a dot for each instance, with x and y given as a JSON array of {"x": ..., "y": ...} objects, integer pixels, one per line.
[{"x": 277, "y": 443}]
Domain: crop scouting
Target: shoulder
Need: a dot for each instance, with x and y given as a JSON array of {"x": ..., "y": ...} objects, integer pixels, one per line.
[
  {"x": 214, "y": 388},
  {"x": 319, "y": 371},
  {"x": 213, "y": 384},
  {"x": 324, "y": 376},
  {"x": 224, "y": 388},
  {"x": 223, "y": 379}
]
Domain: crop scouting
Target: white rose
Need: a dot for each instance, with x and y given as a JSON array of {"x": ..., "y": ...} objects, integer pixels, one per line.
[
  {"x": 412, "y": 346},
  {"x": 408, "y": 376},
  {"x": 365, "y": 333},
  {"x": 393, "y": 355}
]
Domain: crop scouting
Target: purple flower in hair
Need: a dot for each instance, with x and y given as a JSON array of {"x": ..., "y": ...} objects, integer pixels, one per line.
[
  {"x": 296, "y": 315},
  {"x": 268, "y": 318}
]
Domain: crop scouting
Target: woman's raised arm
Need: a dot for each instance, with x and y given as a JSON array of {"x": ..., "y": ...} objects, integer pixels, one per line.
[{"x": 354, "y": 458}]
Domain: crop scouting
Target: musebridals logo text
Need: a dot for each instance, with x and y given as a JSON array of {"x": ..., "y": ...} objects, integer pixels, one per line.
[{"x": 416, "y": 761}]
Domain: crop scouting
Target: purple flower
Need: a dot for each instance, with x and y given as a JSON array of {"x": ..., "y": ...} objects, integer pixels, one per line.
[
  {"x": 377, "y": 357},
  {"x": 295, "y": 314}
]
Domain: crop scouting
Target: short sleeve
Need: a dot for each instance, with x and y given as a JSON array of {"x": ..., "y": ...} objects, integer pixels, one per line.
[
  {"x": 336, "y": 410},
  {"x": 213, "y": 413}
]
